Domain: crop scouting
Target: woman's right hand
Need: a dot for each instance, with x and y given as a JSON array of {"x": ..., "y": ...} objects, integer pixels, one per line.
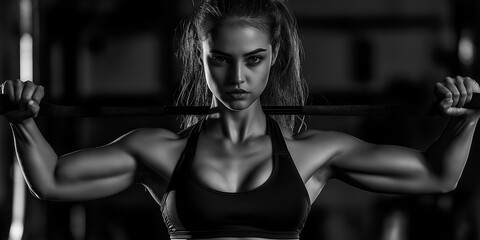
[{"x": 26, "y": 95}]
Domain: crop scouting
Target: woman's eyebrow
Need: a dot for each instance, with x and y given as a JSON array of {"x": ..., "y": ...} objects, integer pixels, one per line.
[{"x": 246, "y": 54}]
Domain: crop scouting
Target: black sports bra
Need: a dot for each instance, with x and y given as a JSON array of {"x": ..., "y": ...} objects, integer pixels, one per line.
[{"x": 276, "y": 209}]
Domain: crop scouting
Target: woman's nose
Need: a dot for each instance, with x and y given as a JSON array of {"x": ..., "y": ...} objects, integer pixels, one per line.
[{"x": 239, "y": 74}]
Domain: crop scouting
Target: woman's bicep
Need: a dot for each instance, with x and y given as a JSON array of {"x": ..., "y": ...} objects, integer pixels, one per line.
[
  {"x": 382, "y": 168},
  {"x": 99, "y": 172},
  {"x": 89, "y": 189},
  {"x": 91, "y": 173},
  {"x": 96, "y": 163}
]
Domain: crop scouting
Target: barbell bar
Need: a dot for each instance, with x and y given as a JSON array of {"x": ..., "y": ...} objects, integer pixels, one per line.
[{"x": 63, "y": 111}]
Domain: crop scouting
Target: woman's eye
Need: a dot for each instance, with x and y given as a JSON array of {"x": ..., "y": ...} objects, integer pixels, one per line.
[
  {"x": 254, "y": 60},
  {"x": 219, "y": 60}
]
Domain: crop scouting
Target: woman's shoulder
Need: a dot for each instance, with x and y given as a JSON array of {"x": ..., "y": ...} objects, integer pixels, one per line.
[
  {"x": 151, "y": 135},
  {"x": 315, "y": 137},
  {"x": 156, "y": 134},
  {"x": 156, "y": 148},
  {"x": 311, "y": 139},
  {"x": 154, "y": 142}
]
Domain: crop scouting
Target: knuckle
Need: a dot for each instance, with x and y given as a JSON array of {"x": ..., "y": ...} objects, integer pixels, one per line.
[
  {"x": 26, "y": 93},
  {"x": 29, "y": 84},
  {"x": 18, "y": 83},
  {"x": 7, "y": 85},
  {"x": 39, "y": 92}
]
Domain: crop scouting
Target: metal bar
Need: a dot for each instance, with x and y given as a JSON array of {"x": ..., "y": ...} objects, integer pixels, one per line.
[{"x": 60, "y": 111}]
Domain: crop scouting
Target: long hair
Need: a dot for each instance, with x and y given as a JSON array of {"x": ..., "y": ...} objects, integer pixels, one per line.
[{"x": 285, "y": 87}]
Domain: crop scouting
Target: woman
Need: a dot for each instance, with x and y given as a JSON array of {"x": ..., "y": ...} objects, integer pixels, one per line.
[{"x": 236, "y": 173}]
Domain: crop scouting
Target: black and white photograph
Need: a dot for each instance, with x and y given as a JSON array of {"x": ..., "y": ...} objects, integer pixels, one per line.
[{"x": 239, "y": 120}]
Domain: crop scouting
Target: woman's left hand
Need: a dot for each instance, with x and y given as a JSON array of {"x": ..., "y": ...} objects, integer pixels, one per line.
[{"x": 454, "y": 93}]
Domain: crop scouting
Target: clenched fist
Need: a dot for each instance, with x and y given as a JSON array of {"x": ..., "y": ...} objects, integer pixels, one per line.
[
  {"x": 454, "y": 93},
  {"x": 26, "y": 95}
]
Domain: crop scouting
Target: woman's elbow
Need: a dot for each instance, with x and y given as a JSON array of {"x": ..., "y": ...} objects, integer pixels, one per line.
[
  {"x": 447, "y": 187},
  {"x": 43, "y": 191},
  {"x": 40, "y": 195}
]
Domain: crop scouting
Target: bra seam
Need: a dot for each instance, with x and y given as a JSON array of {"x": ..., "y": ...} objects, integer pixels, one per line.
[{"x": 275, "y": 234}]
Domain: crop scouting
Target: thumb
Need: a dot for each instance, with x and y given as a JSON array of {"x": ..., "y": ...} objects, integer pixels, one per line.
[
  {"x": 33, "y": 108},
  {"x": 30, "y": 110}
]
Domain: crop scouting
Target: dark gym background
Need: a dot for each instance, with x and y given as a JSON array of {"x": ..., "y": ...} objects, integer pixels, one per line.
[{"x": 357, "y": 52}]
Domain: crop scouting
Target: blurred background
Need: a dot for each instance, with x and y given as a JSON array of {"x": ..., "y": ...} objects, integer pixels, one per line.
[{"x": 122, "y": 52}]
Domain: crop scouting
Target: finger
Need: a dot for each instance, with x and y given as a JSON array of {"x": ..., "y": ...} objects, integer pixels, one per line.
[
  {"x": 476, "y": 87},
  {"x": 28, "y": 90},
  {"x": 33, "y": 108},
  {"x": 38, "y": 94},
  {"x": 8, "y": 88},
  {"x": 449, "y": 83},
  {"x": 445, "y": 105},
  {"x": 469, "y": 85},
  {"x": 459, "y": 83},
  {"x": 17, "y": 90},
  {"x": 442, "y": 92}
]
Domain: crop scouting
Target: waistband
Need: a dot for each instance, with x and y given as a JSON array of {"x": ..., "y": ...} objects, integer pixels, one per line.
[{"x": 234, "y": 233}]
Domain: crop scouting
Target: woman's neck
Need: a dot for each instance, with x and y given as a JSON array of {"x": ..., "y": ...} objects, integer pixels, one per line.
[{"x": 237, "y": 126}]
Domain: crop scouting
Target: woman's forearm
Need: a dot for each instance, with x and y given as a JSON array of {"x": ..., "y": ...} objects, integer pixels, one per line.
[
  {"x": 447, "y": 156},
  {"x": 36, "y": 157}
]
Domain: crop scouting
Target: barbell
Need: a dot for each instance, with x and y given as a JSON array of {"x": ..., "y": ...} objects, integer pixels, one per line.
[{"x": 63, "y": 111}]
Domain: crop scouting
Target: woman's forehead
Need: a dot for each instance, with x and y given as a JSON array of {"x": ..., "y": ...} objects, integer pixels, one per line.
[{"x": 234, "y": 39}]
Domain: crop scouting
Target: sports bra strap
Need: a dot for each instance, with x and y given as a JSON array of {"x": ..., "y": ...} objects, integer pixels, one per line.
[
  {"x": 193, "y": 136},
  {"x": 279, "y": 146},
  {"x": 190, "y": 148}
]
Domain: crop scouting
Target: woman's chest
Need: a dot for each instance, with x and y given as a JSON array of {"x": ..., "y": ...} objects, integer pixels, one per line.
[
  {"x": 235, "y": 168},
  {"x": 228, "y": 167},
  {"x": 251, "y": 187}
]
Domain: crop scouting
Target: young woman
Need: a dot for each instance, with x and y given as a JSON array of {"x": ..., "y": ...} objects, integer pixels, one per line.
[{"x": 237, "y": 173}]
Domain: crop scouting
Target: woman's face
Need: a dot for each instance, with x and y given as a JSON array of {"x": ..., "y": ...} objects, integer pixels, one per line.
[{"x": 237, "y": 61}]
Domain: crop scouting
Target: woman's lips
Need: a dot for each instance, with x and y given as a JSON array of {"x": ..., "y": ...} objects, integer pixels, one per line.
[{"x": 238, "y": 94}]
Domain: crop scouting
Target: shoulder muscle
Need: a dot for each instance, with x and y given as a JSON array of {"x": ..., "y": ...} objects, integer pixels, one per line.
[
  {"x": 155, "y": 148},
  {"x": 313, "y": 150}
]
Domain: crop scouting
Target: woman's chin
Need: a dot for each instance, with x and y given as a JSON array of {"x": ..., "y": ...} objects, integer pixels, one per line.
[
  {"x": 237, "y": 108},
  {"x": 237, "y": 105}
]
